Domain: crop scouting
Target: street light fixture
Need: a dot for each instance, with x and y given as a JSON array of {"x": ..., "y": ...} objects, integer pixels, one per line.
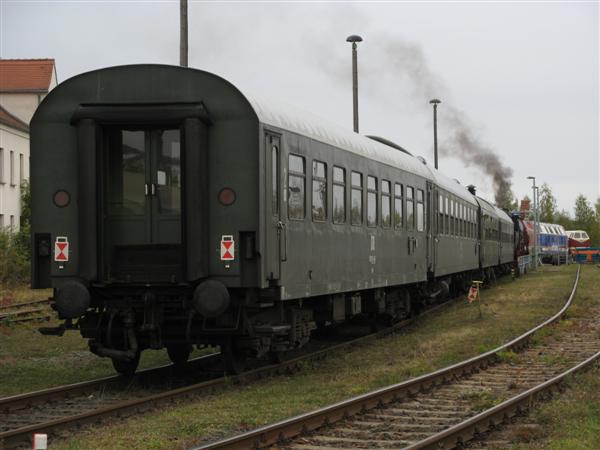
[
  {"x": 354, "y": 39},
  {"x": 535, "y": 223},
  {"x": 435, "y": 102}
]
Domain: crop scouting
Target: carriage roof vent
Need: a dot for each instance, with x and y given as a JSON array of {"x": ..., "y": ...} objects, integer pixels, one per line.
[
  {"x": 471, "y": 189},
  {"x": 423, "y": 160},
  {"x": 456, "y": 179},
  {"x": 389, "y": 143}
]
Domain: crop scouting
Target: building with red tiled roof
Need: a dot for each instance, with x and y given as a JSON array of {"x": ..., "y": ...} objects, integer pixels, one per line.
[{"x": 23, "y": 85}]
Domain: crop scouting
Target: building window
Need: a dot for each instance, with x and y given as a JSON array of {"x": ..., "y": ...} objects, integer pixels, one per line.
[
  {"x": 2, "y": 166},
  {"x": 12, "y": 222},
  {"x": 356, "y": 213},
  {"x": 371, "y": 201},
  {"x": 386, "y": 217},
  {"x": 12, "y": 168},
  {"x": 410, "y": 208},
  {"x": 339, "y": 195},
  {"x": 319, "y": 191},
  {"x": 1, "y": 221},
  {"x": 274, "y": 180},
  {"x": 398, "y": 210},
  {"x": 420, "y": 210},
  {"x": 296, "y": 176},
  {"x": 21, "y": 169}
]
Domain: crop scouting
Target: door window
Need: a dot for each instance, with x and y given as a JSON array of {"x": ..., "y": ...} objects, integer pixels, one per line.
[
  {"x": 169, "y": 173},
  {"x": 126, "y": 180},
  {"x": 297, "y": 174}
]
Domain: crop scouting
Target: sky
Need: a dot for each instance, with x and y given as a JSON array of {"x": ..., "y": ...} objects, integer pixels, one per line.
[{"x": 522, "y": 76}]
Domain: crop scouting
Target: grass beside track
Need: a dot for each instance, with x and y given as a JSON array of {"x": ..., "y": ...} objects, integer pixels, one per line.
[
  {"x": 445, "y": 337},
  {"x": 572, "y": 420},
  {"x": 30, "y": 361}
]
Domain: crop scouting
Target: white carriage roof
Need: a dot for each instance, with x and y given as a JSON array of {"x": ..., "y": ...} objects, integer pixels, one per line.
[
  {"x": 503, "y": 214},
  {"x": 451, "y": 185},
  {"x": 279, "y": 114}
]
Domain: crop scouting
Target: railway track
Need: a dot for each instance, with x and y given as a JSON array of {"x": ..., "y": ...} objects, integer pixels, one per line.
[
  {"x": 55, "y": 409},
  {"x": 25, "y": 311},
  {"x": 446, "y": 408}
]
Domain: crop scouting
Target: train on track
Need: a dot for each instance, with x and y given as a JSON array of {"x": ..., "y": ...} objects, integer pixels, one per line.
[{"x": 172, "y": 210}]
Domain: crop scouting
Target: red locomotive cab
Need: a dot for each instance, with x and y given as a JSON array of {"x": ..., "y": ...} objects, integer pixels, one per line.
[{"x": 578, "y": 238}]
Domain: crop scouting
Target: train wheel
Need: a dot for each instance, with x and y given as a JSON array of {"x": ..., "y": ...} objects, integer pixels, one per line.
[
  {"x": 126, "y": 368},
  {"x": 179, "y": 353},
  {"x": 233, "y": 359}
]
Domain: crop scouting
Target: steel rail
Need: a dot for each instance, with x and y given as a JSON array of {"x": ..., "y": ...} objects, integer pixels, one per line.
[
  {"x": 291, "y": 428},
  {"x": 18, "y": 435},
  {"x": 470, "y": 428},
  {"x": 20, "y": 401},
  {"x": 22, "y": 304}
]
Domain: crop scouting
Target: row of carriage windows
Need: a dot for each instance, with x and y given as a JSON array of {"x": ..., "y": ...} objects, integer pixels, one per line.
[
  {"x": 386, "y": 209},
  {"x": 456, "y": 217},
  {"x": 399, "y": 206}
]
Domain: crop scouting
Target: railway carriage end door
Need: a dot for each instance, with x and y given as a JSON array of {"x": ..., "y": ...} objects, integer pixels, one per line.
[
  {"x": 142, "y": 205},
  {"x": 275, "y": 228}
]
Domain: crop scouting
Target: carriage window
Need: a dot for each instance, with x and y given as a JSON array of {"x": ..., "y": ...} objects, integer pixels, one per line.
[
  {"x": 410, "y": 208},
  {"x": 446, "y": 215},
  {"x": 371, "y": 201},
  {"x": 356, "y": 212},
  {"x": 296, "y": 176},
  {"x": 274, "y": 180},
  {"x": 319, "y": 191},
  {"x": 441, "y": 214},
  {"x": 420, "y": 210},
  {"x": 339, "y": 195},
  {"x": 398, "y": 206},
  {"x": 386, "y": 218}
]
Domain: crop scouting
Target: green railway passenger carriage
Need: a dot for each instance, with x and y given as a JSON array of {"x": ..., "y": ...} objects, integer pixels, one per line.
[{"x": 171, "y": 210}]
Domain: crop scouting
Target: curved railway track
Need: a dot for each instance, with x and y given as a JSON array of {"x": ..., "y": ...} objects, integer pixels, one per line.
[
  {"x": 446, "y": 408},
  {"x": 59, "y": 408}
]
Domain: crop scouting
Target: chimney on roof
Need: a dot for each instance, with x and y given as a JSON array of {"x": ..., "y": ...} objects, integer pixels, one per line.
[
  {"x": 472, "y": 189},
  {"x": 525, "y": 207}
]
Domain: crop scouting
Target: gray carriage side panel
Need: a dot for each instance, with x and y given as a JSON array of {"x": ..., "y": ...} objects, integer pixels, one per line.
[
  {"x": 454, "y": 252},
  {"x": 490, "y": 250},
  {"x": 323, "y": 257}
]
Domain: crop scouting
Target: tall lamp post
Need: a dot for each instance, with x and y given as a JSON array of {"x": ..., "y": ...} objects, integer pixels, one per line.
[
  {"x": 435, "y": 102},
  {"x": 535, "y": 223},
  {"x": 183, "y": 33},
  {"x": 354, "y": 39}
]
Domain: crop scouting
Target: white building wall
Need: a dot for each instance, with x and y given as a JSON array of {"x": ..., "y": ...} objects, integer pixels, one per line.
[
  {"x": 21, "y": 105},
  {"x": 17, "y": 142}
]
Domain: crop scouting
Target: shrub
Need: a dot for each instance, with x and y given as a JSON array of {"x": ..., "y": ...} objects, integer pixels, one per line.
[{"x": 14, "y": 257}]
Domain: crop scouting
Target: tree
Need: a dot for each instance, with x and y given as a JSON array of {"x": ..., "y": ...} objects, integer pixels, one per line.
[
  {"x": 584, "y": 214},
  {"x": 547, "y": 204},
  {"x": 585, "y": 219},
  {"x": 505, "y": 199},
  {"x": 563, "y": 218}
]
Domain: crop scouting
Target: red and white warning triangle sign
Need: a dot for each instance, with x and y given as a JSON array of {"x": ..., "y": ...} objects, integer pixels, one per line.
[
  {"x": 227, "y": 248},
  {"x": 61, "y": 249}
]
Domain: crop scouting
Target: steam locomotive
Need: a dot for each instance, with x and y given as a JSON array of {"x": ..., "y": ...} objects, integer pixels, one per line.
[{"x": 172, "y": 210}]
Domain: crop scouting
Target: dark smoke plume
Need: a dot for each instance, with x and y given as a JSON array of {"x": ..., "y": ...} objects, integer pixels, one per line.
[
  {"x": 466, "y": 145},
  {"x": 401, "y": 66}
]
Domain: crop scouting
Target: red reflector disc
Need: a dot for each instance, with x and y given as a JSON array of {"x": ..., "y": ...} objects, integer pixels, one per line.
[
  {"x": 226, "y": 196},
  {"x": 62, "y": 198}
]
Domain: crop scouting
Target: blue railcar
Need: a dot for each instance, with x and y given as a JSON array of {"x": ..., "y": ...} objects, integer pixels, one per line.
[{"x": 553, "y": 242}]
